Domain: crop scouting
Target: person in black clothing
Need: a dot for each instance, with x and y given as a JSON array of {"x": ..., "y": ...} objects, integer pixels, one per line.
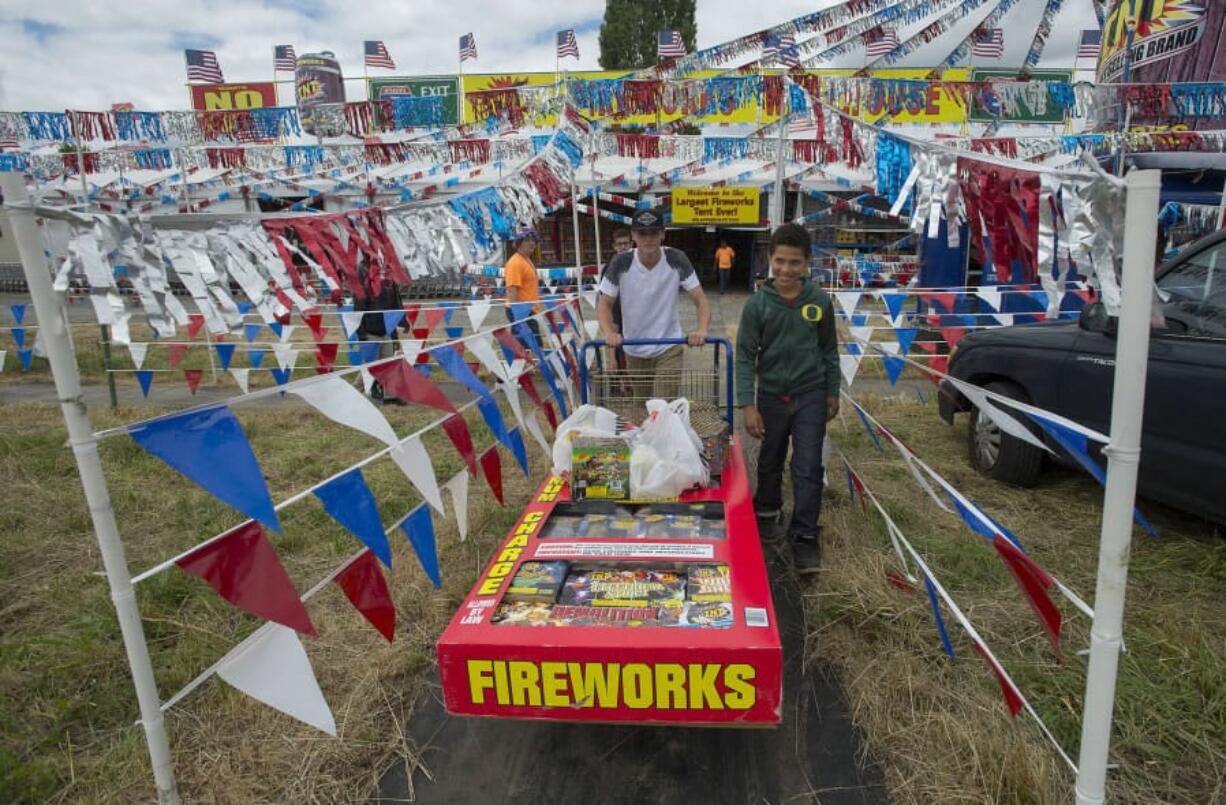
[{"x": 374, "y": 328}]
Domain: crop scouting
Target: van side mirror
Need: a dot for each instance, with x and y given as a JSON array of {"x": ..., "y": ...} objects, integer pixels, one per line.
[{"x": 1095, "y": 319}]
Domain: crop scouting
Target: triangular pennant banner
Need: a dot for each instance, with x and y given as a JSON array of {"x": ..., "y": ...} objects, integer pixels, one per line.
[
  {"x": 991, "y": 295},
  {"x": 19, "y": 335},
  {"x": 453, "y": 363},
  {"x": 252, "y": 330},
  {"x": 414, "y": 462},
  {"x": 893, "y": 367},
  {"x": 277, "y": 328},
  {"x": 272, "y": 667},
  {"x": 226, "y": 353},
  {"x": 534, "y": 427},
  {"x": 138, "y": 350},
  {"x": 241, "y": 377},
  {"x": 491, "y": 465},
  {"x": 519, "y": 450},
  {"x": 1034, "y": 582},
  {"x": 478, "y": 309},
  {"x": 366, "y": 588},
  {"x": 1013, "y": 699},
  {"x": 243, "y": 568},
  {"x": 144, "y": 377},
  {"x": 3, "y": 354},
  {"x": 936, "y": 613},
  {"x": 894, "y": 303},
  {"x": 906, "y": 337},
  {"x": 287, "y": 356},
  {"x": 194, "y": 322},
  {"x": 351, "y": 322},
  {"x": 348, "y": 500},
  {"x": 458, "y": 486},
  {"x": 176, "y": 353},
  {"x": 400, "y": 380},
  {"x": 256, "y": 357},
  {"x": 282, "y": 376},
  {"x": 193, "y": 377},
  {"x": 849, "y": 365},
  {"x": 210, "y": 448},
  {"x": 432, "y": 316},
  {"x": 19, "y": 312},
  {"x": 847, "y": 302},
  {"x": 391, "y": 320},
  {"x": 457, "y": 430},
  {"x": 419, "y": 528}
]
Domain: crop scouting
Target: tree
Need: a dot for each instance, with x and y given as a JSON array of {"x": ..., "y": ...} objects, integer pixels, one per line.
[{"x": 629, "y": 33}]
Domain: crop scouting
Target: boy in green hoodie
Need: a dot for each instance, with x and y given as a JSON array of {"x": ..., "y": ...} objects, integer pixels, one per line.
[{"x": 787, "y": 346}]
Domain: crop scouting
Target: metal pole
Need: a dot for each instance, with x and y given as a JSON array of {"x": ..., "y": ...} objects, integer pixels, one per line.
[
  {"x": 596, "y": 222},
  {"x": 1124, "y": 456},
  {"x": 574, "y": 215},
  {"x": 106, "y": 364},
  {"x": 777, "y": 203},
  {"x": 53, "y": 318}
]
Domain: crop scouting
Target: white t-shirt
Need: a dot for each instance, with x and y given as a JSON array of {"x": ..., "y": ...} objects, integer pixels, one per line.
[{"x": 649, "y": 296}]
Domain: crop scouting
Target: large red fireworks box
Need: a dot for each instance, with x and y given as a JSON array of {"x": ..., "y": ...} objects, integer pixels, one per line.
[{"x": 622, "y": 611}]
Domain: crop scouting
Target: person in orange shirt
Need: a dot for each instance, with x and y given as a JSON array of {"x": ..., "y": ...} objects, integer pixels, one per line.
[
  {"x": 725, "y": 258},
  {"x": 520, "y": 275}
]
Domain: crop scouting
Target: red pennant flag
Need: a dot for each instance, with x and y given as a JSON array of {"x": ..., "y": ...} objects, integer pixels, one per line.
[
  {"x": 325, "y": 357},
  {"x": 952, "y": 335},
  {"x": 945, "y": 299},
  {"x": 244, "y": 569},
  {"x": 928, "y": 346},
  {"x": 1086, "y": 295},
  {"x": 457, "y": 431},
  {"x": 512, "y": 343},
  {"x": 193, "y": 379},
  {"x": 410, "y": 313},
  {"x": 177, "y": 351},
  {"x": 941, "y": 364},
  {"x": 899, "y": 580},
  {"x": 366, "y": 589},
  {"x": 525, "y": 382},
  {"x": 432, "y": 316},
  {"x": 1012, "y": 697},
  {"x": 551, "y": 415},
  {"x": 314, "y": 320},
  {"x": 320, "y": 334},
  {"x": 194, "y": 322},
  {"x": 491, "y": 464},
  {"x": 858, "y": 483},
  {"x": 421, "y": 333},
  {"x": 1035, "y": 583},
  {"x": 403, "y": 381}
]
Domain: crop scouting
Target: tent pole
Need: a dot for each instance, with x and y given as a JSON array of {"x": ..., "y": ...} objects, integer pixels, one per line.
[
  {"x": 53, "y": 318},
  {"x": 1124, "y": 457}
]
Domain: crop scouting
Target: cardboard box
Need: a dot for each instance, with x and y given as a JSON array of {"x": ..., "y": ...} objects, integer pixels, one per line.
[
  {"x": 703, "y": 662},
  {"x": 600, "y": 468}
]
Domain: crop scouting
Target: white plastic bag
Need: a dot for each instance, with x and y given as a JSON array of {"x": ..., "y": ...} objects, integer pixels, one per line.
[
  {"x": 586, "y": 420},
  {"x": 666, "y": 453}
]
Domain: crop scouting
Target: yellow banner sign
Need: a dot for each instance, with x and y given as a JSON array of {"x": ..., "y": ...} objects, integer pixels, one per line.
[{"x": 715, "y": 205}]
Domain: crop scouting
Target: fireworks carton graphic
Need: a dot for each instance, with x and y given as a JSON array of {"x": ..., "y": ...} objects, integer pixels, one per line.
[
  {"x": 537, "y": 581},
  {"x": 708, "y": 583},
  {"x": 604, "y": 587},
  {"x": 521, "y": 613},
  {"x": 600, "y": 468}
]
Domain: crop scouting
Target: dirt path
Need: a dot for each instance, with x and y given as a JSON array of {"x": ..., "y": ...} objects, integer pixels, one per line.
[{"x": 814, "y": 756}]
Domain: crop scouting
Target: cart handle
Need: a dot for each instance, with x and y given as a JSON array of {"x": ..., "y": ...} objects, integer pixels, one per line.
[{"x": 717, "y": 341}]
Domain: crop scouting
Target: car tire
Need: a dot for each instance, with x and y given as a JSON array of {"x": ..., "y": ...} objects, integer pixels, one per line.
[{"x": 997, "y": 454}]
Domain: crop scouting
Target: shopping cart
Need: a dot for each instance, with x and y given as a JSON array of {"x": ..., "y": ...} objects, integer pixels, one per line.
[{"x": 626, "y": 392}]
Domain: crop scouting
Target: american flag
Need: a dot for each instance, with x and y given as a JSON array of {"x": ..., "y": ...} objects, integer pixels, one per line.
[
  {"x": 283, "y": 58},
  {"x": 7, "y": 143},
  {"x": 468, "y": 48},
  {"x": 988, "y": 44},
  {"x": 567, "y": 44},
  {"x": 783, "y": 48},
  {"x": 377, "y": 55},
  {"x": 670, "y": 45},
  {"x": 202, "y": 65},
  {"x": 880, "y": 41},
  {"x": 1091, "y": 44}
]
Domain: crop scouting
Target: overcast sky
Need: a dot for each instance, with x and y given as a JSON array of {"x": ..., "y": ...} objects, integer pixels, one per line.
[{"x": 88, "y": 54}]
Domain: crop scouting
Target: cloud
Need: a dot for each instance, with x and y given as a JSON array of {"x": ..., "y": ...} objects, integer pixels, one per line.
[{"x": 82, "y": 54}]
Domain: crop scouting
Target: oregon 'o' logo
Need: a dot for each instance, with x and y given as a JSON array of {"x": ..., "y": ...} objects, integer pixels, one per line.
[{"x": 811, "y": 313}]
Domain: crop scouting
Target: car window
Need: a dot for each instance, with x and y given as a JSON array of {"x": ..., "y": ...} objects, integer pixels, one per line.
[{"x": 1195, "y": 294}]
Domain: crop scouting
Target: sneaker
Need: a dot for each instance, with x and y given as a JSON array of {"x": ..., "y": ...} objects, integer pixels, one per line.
[
  {"x": 806, "y": 556},
  {"x": 769, "y": 525}
]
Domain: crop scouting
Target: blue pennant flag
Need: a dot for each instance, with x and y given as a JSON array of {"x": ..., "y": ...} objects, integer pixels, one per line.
[
  {"x": 226, "y": 353},
  {"x": 894, "y": 303},
  {"x": 853, "y": 348},
  {"x": 209, "y": 447},
  {"x": 19, "y": 312},
  {"x": 936, "y": 613},
  {"x": 516, "y": 443},
  {"x": 982, "y": 523},
  {"x": 368, "y": 351},
  {"x": 348, "y": 499},
  {"x": 453, "y": 363},
  {"x": 893, "y": 367},
  {"x": 521, "y": 310},
  {"x": 243, "y": 307},
  {"x": 1077, "y": 446},
  {"x": 424, "y": 368},
  {"x": 391, "y": 320},
  {"x": 145, "y": 378},
  {"x": 872, "y": 434},
  {"x": 256, "y": 357},
  {"x": 525, "y": 334},
  {"x": 493, "y": 418},
  {"x": 19, "y": 335},
  {"x": 344, "y": 308},
  {"x": 859, "y": 319},
  {"x": 906, "y": 337},
  {"x": 355, "y": 356},
  {"x": 276, "y": 328},
  {"x": 448, "y": 313},
  {"x": 454, "y": 332},
  {"x": 419, "y": 528},
  {"x": 27, "y": 357},
  {"x": 282, "y": 375},
  {"x": 570, "y": 319},
  {"x": 252, "y": 331}
]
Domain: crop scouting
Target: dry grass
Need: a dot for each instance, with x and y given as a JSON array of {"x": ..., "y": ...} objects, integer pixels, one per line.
[
  {"x": 69, "y": 706},
  {"x": 940, "y": 727}
]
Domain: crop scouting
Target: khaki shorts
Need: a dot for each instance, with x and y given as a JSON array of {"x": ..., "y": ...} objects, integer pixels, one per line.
[{"x": 656, "y": 377}]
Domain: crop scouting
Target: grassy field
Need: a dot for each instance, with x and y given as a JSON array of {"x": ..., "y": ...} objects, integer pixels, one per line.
[{"x": 940, "y": 727}]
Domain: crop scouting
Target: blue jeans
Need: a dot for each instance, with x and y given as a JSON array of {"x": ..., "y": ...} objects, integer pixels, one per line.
[
  {"x": 801, "y": 420},
  {"x": 723, "y": 279}
]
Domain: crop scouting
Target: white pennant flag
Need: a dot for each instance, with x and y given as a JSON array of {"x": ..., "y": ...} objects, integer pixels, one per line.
[
  {"x": 561, "y": 376},
  {"x": 458, "y": 487},
  {"x": 512, "y": 395},
  {"x": 847, "y": 301},
  {"x": 477, "y": 311},
  {"x": 989, "y": 294},
  {"x": 591, "y": 297},
  {"x": 861, "y": 335},
  {"x": 849, "y": 365},
  {"x": 368, "y": 380},
  {"x": 593, "y": 329},
  {"x": 411, "y": 348},
  {"x": 138, "y": 349},
  {"x": 286, "y": 331},
  {"x": 287, "y": 356},
  {"x": 272, "y": 667},
  {"x": 482, "y": 347},
  {"x": 890, "y": 347},
  {"x": 351, "y": 320},
  {"x": 1005, "y": 319},
  {"x": 342, "y": 403},
  {"x": 240, "y": 377},
  {"x": 414, "y": 462},
  {"x": 533, "y": 426},
  {"x": 1002, "y": 420},
  {"x": 3, "y": 352}
]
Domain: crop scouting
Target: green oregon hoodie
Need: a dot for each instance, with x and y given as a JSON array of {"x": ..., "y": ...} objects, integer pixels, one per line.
[{"x": 791, "y": 347}]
